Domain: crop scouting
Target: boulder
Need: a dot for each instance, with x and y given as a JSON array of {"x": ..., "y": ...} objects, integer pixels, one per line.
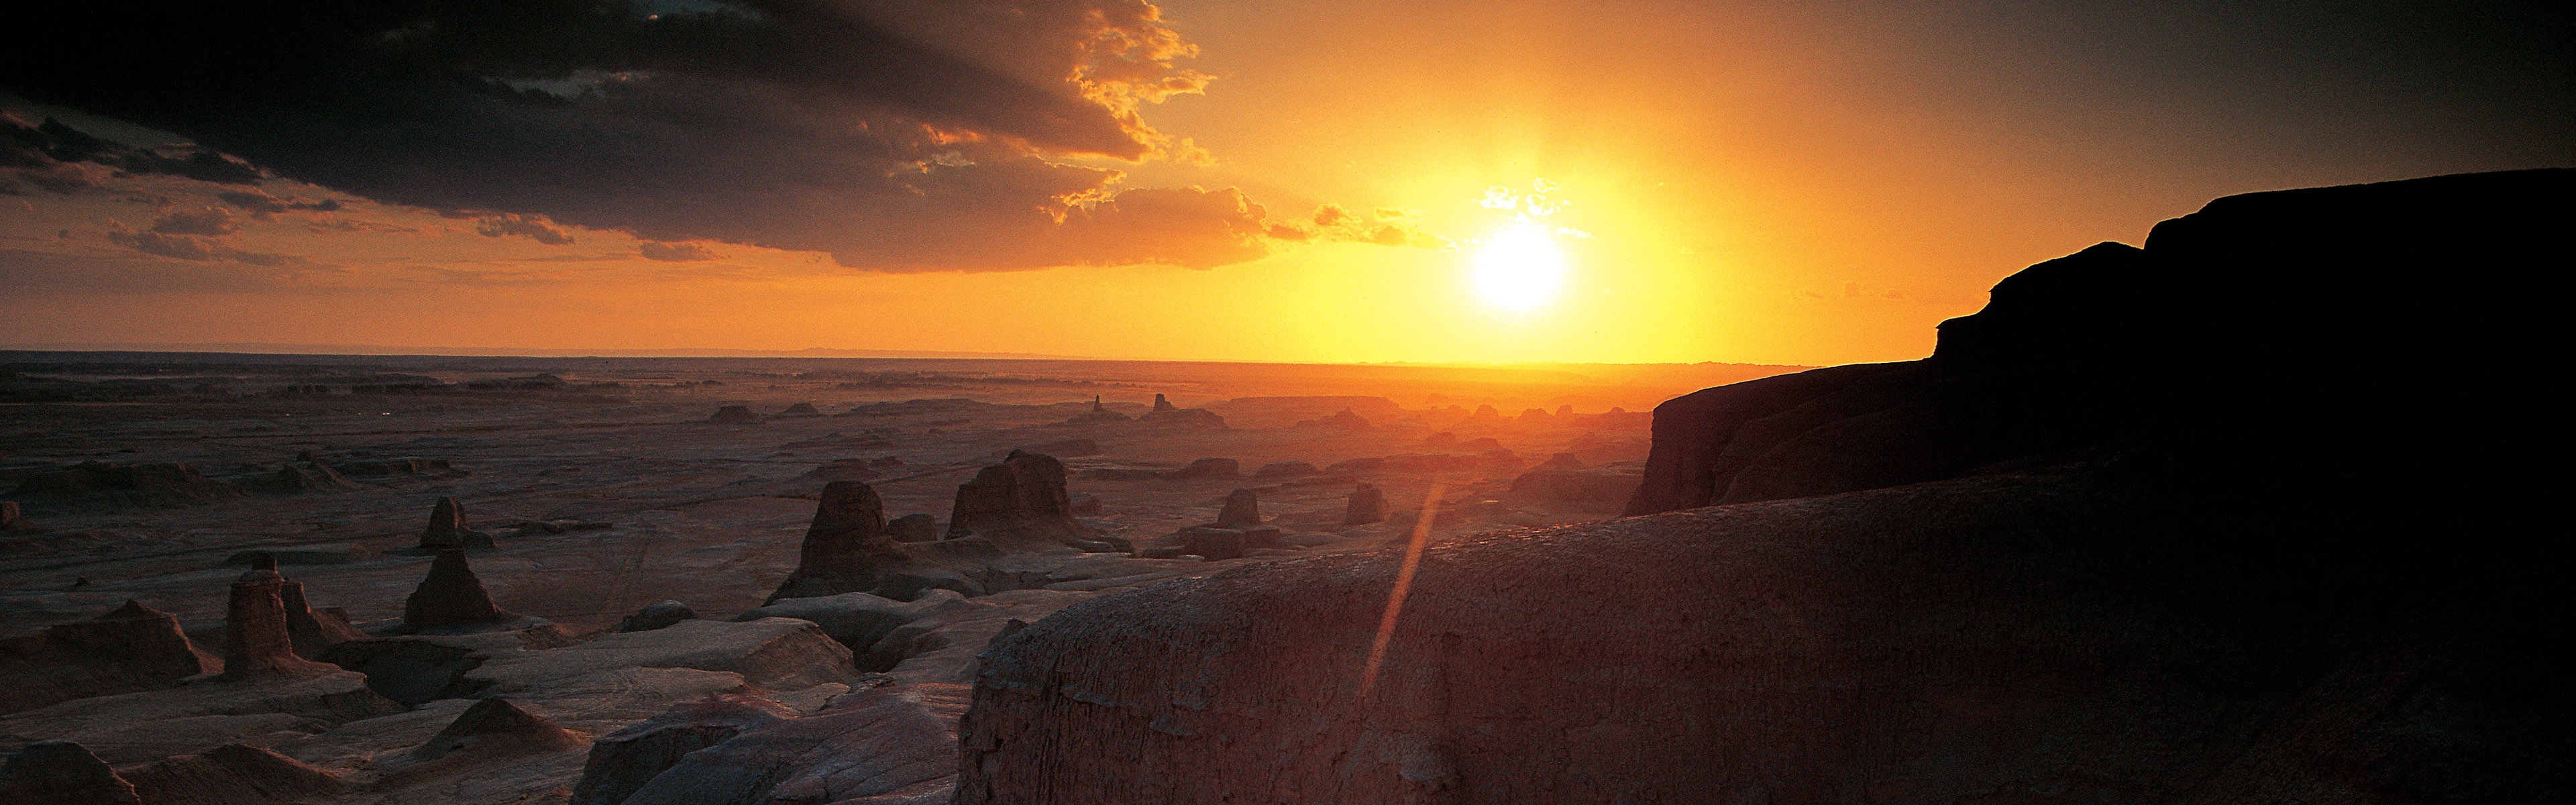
[
  {"x": 451, "y": 600},
  {"x": 1207, "y": 468},
  {"x": 883, "y": 742},
  {"x": 1367, "y": 504},
  {"x": 914, "y": 527},
  {"x": 734, "y": 413},
  {"x": 62, "y": 773},
  {"x": 623, "y": 761},
  {"x": 447, "y": 529},
  {"x": 656, "y": 615},
  {"x": 1242, "y": 510}
]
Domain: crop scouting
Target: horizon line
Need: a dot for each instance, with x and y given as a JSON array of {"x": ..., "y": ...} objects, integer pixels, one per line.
[{"x": 379, "y": 350}]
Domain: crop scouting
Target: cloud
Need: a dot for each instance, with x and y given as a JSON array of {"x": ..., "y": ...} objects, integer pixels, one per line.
[
  {"x": 192, "y": 247},
  {"x": 262, "y": 206},
  {"x": 674, "y": 252},
  {"x": 207, "y": 221},
  {"x": 893, "y": 136},
  {"x": 535, "y": 227},
  {"x": 1384, "y": 227},
  {"x": 38, "y": 152}
]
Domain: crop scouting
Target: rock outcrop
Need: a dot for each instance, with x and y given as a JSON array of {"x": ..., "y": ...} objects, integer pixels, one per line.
[
  {"x": 451, "y": 600},
  {"x": 1573, "y": 491},
  {"x": 1206, "y": 468},
  {"x": 849, "y": 549},
  {"x": 62, "y": 773},
  {"x": 656, "y": 615},
  {"x": 1366, "y": 505},
  {"x": 12, "y": 519},
  {"x": 914, "y": 527},
  {"x": 311, "y": 631},
  {"x": 1100, "y": 414},
  {"x": 733, "y": 413},
  {"x": 801, "y": 409},
  {"x": 131, "y": 648},
  {"x": 2127, "y": 536},
  {"x": 307, "y": 476},
  {"x": 156, "y": 484},
  {"x": 1019, "y": 501},
  {"x": 447, "y": 529},
  {"x": 229, "y": 774},
  {"x": 497, "y": 727},
  {"x": 885, "y": 745},
  {"x": 1167, "y": 415},
  {"x": 1242, "y": 510},
  {"x": 623, "y": 761},
  {"x": 257, "y": 638}
]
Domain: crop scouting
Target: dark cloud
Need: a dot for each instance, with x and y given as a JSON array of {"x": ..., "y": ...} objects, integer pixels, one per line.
[
  {"x": 675, "y": 252},
  {"x": 892, "y": 136},
  {"x": 40, "y": 153},
  {"x": 261, "y": 205},
  {"x": 535, "y": 227},
  {"x": 1384, "y": 227}
]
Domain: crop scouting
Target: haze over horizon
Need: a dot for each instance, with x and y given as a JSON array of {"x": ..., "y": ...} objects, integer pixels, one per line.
[{"x": 1431, "y": 182}]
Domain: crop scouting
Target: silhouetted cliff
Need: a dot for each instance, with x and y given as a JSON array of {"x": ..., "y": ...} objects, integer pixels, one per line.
[{"x": 2241, "y": 516}]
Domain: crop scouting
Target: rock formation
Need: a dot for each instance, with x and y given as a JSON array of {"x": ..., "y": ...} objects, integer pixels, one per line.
[
  {"x": 62, "y": 773},
  {"x": 447, "y": 529},
  {"x": 801, "y": 409},
  {"x": 165, "y": 483},
  {"x": 257, "y": 638},
  {"x": 307, "y": 476},
  {"x": 450, "y": 598},
  {"x": 623, "y": 761},
  {"x": 849, "y": 549},
  {"x": 131, "y": 648},
  {"x": 1021, "y": 500},
  {"x": 734, "y": 413},
  {"x": 1367, "y": 505},
  {"x": 1242, "y": 510},
  {"x": 1343, "y": 419},
  {"x": 915, "y": 527},
  {"x": 311, "y": 631},
  {"x": 1284, "y": 469},
  {"x": 497, "y": 727},
  {"x": 1165, "y": 414},
  {"x": 894, "y": 744},
  {"x": 1100, "y": 414},
  {"x": 1561, "y": 461},
  {"x": 1206, "y": 468},
  {"x": 11, "y": 519},
  {"x": 2127, "y": 536},
  {"x": 656, "y": 615},
  {"x": 1603, "y": 492},
  {"x": 228, "y": 774}
]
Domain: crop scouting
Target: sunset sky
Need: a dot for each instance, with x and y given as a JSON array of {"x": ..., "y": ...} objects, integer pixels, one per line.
[{"x": 1806, "y": 184}]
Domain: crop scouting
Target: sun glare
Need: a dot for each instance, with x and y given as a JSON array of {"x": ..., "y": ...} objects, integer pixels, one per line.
[{"x": 1520, "y": 268}]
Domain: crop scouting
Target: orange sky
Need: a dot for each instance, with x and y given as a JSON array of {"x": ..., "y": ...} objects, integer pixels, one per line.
[{"x": 1758, "y": 186}]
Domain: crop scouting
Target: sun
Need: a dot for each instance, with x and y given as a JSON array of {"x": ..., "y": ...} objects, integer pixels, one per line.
[{"x": 1520, "y": 267}]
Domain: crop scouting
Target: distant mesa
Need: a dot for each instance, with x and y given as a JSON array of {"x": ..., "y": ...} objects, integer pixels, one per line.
[
  {"x": 1340, "y": 420},
  {"x": 1099, "y": 414},
  {"x": 734, "y": 413},
  {"x": 1167, "y": 415}
]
